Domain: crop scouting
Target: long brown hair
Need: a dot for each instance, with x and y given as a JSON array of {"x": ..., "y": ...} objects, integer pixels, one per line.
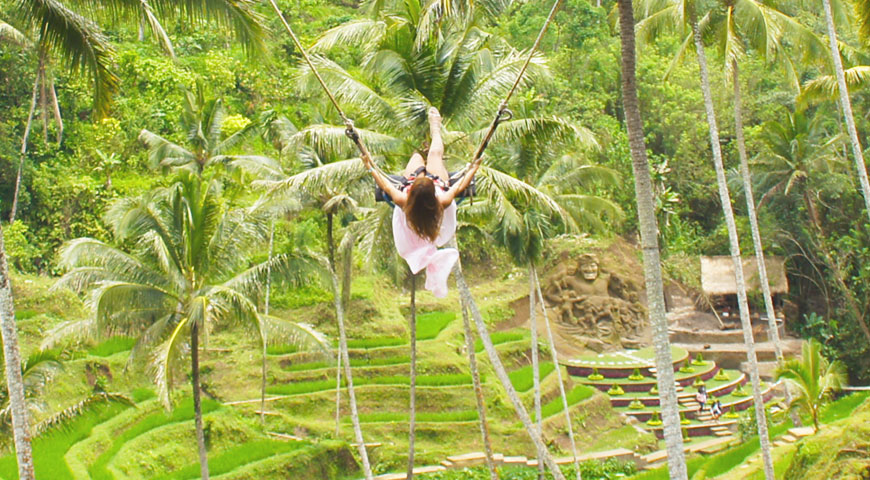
[{"x": 423, "y": 210}]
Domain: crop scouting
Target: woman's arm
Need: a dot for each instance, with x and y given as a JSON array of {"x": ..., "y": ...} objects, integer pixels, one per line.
[
  {"x": 397, "y": 196},
  {"x": 461, "y": 185}
]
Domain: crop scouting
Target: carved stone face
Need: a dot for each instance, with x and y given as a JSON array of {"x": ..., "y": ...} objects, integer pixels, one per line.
[{"x": 589, "y": 270}]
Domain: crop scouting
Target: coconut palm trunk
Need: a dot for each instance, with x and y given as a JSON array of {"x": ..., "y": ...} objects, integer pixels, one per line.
[
  {"x": 412, "y": 407},
  {"x": 478, "y": 394},
  {"x": 773, "y": 329},
  {"x": 14, "y": 380},
  {"x": 342, "y": 346},
  {"x": 555, "y": 358},
  {"x": 846, "y": 104},
  {"x": 197, "y": 401},
  {"x": 536, "y": 370},
  {"x": 649, "y": 244},
  {"x": 24, "y": 139},
  {"x": 266, "y": 311},
  {"x": 501, "y": 373},
  {"x": 725, "y": 198}
]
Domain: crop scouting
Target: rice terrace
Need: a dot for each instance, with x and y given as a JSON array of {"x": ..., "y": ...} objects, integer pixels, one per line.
[{"x": 434, "y": 239}]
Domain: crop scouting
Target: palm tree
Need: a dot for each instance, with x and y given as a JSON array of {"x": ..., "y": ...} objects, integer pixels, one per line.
[
  {"x": 846, "y": 104},
  {"x": 202, "y": 119},
  {"x": 649, "y": 245},
  {"x": 798, "y": 151},
  {"x": 752, "y": 23},
  {"x": 14, "y": 380},
  {"x": 814, "y": 379},
  {"x": 77, "y": 40},
  {"x": 325, "y": 185},
  {"x": 684, "y": 17},
  {"x": 185, "y": 273},
  {"x": 501, "y": 373}
]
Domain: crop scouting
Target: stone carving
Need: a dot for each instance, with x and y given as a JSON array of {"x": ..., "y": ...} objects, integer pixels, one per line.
[{"x": 594, "y": 307}]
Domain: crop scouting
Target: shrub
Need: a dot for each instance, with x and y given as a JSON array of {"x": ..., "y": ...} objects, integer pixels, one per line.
[
  {"x": 595, "y": 376},
  {"x": 655, "y": 420},
  {"x": 615, "y": 390},
  {"x": 636, "y": 376},
  {"x": 687, "y": 368}
]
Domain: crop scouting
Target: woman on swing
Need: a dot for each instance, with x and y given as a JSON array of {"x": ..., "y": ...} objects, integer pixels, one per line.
[{"x": 425, "y": 214}]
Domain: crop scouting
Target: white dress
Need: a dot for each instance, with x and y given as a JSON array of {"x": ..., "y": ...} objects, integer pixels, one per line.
[{"x": 421, "y": 253}]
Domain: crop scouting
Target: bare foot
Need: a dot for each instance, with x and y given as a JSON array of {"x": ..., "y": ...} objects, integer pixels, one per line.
[{"x": 434, "y": 119}]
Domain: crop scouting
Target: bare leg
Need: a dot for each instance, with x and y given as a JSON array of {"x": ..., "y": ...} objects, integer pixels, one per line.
[
  {"x": 414, "y": 163},
  {"x": 435, "y": 160}
]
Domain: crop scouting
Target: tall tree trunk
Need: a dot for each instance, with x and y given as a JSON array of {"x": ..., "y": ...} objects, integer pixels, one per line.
[
  {"x": 14, "y": 380},
  {"x": 501, "y": 373},
  {"x": 346, "y": 248},
  {"x": 555, "y": 358},
  {"x": 338, "y": 395},
  {"x": 56, "y": 110},
  {"x": 846, "y": 103},
  {"x": 330, "y": 252},
  {"x": 24, "y": 139},
  {"x": 43, "y": 98},
  {"x": 773, "y": 328},
  {"x": 412, "y": 407},
  {"x": 649, "y": 244},
  {"x": 725, "y": 198},
  {"x": 536, "y": 370},
  {"x": 266, "y": 311},
  {"x": 342, "y": 345},
  {"x": 478, "y": 394},
  {"x": 197, "y": 401}
]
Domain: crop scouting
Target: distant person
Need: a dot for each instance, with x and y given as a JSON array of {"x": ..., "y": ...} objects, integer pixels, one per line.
[
  {"x": 701, "y": 397},
  {"x": 716, "y": 410}
]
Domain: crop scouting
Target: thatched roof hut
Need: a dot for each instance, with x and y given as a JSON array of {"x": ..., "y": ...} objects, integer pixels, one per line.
[{"x": 717, "y": 275}]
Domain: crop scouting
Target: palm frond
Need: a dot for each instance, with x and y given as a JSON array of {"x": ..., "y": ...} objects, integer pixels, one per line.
[
  {"x": 505, "y": 191},
  {"x": 162, "y": 152},
  {"x": 541, "y": 130},
  {"x": 67, "y": 415},
  {"x": 331, "y": 140},
  {"x": 302, "y": 335},
  {"x": 167, "y": 361},
  {"x": 348, "y": 90},
  {"x": 364, "y": 34},
  {"x": 70, "y": 331},
  {"x": 77, "y": 41},
  {"x": 8, "y": 33},
  {"x": 824, "y": 87},
  {"x": 316, "y": 181}
]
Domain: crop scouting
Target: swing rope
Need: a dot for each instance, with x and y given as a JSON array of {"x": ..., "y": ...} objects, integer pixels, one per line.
[{"x": 502, "y": 114}]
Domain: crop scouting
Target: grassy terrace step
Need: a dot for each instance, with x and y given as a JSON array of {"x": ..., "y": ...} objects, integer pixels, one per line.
[
  {"x": 181, "y": 413},
  {"x": 234, "y": 458},
  {"x": 522, "y": 378},
  {"x": 354, "y": 362},
  {"x": 49, "y": 449},
  {"x": 429, "y": 325},
  {"x": 422, "y": 380},
  {"x": 575, "y": 396},
  {"x": 502, "y": 337},
  {"x": 404, "y": 417}
]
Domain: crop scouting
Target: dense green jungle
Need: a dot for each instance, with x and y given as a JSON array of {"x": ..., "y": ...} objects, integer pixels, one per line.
[{"x": 196, "y": 259}]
